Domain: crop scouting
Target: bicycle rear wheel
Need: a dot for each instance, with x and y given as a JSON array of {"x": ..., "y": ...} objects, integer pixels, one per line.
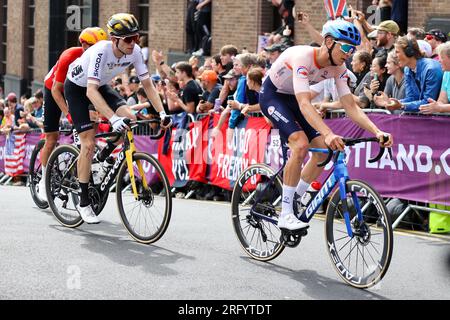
[
  {"x": 362, "y": 260},
  {"x": 146, "y": 218},
  {"x": 259, "y": 238},
  {"x": 35, "y": 175},
  {"x": 62, "y": 185}
]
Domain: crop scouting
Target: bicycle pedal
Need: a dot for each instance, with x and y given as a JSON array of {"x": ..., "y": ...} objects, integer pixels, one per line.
[{"x": 292, "y": 238}]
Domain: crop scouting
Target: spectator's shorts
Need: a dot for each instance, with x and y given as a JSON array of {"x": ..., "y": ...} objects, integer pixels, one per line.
[
  {"x": 52, "y": 112},
  {"x": 284, "y": 112},
  {"x": 79, "y": 103}
]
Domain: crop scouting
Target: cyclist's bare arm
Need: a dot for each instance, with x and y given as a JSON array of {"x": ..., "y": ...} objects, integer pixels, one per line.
[
  {"x": 98, "y": 101},
  {"x": 57, "y": 90},
  {"x": 361, "y": 119},
  {"x": 153, "y": 95}
]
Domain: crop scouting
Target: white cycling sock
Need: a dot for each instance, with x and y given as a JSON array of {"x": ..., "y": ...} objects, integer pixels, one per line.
[
  {"x": 302, "y": 187},
  {"x": 43, "y": 173},
  {"x": 287, "y": 206}
]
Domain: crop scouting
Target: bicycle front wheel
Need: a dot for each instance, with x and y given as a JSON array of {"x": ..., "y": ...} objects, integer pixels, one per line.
[
  {"x": 147, "y": 217},
  {"x": 254, "y": 198},
  {"x": 62, "y": 185},
  {"x": 35, "y": 175},
  {"x": 363, "y": 259}
]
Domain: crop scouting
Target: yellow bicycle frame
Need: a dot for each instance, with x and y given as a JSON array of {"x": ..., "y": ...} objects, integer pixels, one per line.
[{"x": 129, "y": 157}]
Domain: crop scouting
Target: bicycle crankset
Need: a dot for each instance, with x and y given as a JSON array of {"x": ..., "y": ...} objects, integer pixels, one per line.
[
  {"x": 292, "y": 238},
  {"x": 257, "y": 225}
]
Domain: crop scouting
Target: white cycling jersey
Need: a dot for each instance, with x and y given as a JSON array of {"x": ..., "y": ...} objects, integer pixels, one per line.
[
  {"x": 297, "y": 69},
  {"x": 99, "y": 65}
]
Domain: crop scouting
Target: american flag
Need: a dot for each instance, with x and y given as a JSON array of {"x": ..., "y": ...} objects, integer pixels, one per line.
[
  {"x": 14, "y": 154},
  {"x": 336, "y": 9}
]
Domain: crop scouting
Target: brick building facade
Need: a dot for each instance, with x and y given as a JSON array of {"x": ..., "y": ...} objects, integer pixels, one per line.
[{"x": 35, "y": 32}]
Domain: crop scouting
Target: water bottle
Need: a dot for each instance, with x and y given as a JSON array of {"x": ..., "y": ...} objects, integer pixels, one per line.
[
  {"x": 310, "y": 193},
  {"x": 217, "y": 106}
]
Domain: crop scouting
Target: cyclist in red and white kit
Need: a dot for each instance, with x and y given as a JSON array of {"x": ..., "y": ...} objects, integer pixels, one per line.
[
  {"x": 285, "y": 99},
  {"x": 54, "y": 101},
  {"x": 88, "y": 81}
]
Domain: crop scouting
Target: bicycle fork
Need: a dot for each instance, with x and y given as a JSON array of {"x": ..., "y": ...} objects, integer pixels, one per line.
[{"x": 131, "y": 150}]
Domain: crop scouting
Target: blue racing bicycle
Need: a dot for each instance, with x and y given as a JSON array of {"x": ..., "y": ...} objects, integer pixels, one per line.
[{"x": 358, "y": 227}]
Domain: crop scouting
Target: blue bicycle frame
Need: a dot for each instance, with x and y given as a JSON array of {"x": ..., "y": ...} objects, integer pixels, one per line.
[{"x": 339, "y": 175}]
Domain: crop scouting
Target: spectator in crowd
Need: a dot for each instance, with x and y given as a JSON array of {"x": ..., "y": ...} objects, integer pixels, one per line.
[
  {"x": 2, "y": 92},
  {"x": 143, "y": 109},
  {"x": 387, "y": 32},
  {"x": 361, "y": 63},
  {"x": 191, "y": 90},
  {"x": 443, "y": 102},
  {"x": 395, "y": 85},
  {"x": 133, "y": 86},
  {"x": 123, "y": 91},
  {"x": 32, "y": 114},
  {"x": 423, "y": 76},
  {"x": 227, "y": 54},
  {"x": 14, "y": 107},
  {"x": 254, "y": 82},
  {"x": 211, "y": 91},
  {"x": 285, "y": 33},
  {"x": 416, "y": 33},
  {"x": 39, "y": 110},
  {"x": 435, "y": 37},
  {"x": 379, "y": 76},
  {"x": 203, "y": 27},
  {"x": 230, "y": 85},
  {"x": 2, "y": 115},
  {"x": 143, "y": 43},
  {"x": 218, "y": 67},
  {"x": 23, "y": 99},
  {"x": 2, "y": 104},
  {"x": 172, "y": 95},
  {"x": 274, "y": 52},
  {"x": 7, "y": 123},
  {"x": 400, "y": 14},
  {"x": 384, "y": 9}
]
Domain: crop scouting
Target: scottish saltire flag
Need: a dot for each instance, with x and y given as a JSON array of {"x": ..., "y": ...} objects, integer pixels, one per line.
[
  {"x": 14, "y": 154},
  {"x": 336, "y": 9}
]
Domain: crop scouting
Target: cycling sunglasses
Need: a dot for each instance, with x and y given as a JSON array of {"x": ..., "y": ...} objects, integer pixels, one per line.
[
  {"x": 130, "y": 39},
  {"x": 347, "y": 48}
]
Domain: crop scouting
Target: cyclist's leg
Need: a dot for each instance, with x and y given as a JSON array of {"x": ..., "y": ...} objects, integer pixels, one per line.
[
  {"x": 79, "y": 110},
  {"x": 52, "y": 114},
  {"x": 279, "y": 109},
  {"x": 311, "y": 171}
]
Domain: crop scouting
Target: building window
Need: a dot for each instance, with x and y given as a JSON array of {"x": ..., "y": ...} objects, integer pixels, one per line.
[
  {"x": 29, "y": 47},
  {"x": 3, "y": 38},
  {"x": 141, "y": 10},
  {"x": 81, "y": 14}
]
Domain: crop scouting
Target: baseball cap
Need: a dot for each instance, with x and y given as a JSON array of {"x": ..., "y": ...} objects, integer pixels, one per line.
[
  {"x": 135, "y": 80},
  {"x": 372, "y": 35},
  {"x": 438, "y": 34},
  {"x": 11, "y": 96},
  {"x": 230, "y": 75},
  {"x": 276, "y": 47},
  {"x": 209, "y": 75},
  {"x": 389, "y": 26},
  {"x": 156, "y": 77}
]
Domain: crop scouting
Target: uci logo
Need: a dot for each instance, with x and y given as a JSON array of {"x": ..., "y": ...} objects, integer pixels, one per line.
[{"x": 271, "y": 110}]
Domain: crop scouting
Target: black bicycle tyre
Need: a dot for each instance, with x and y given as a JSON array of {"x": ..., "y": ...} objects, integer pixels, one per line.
[
  {"x": 384, "y": 220},
  {"x": 257, "y": 169},
  {"x": 78, "y": 221},
  {"x": 32, "y": 179},
  {"x": 168, "y": 200}
]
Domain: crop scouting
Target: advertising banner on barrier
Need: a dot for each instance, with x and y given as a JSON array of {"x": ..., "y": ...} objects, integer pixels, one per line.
[
  {"x": 233, "y": 151},
  {"x": 183, "y": 158}
]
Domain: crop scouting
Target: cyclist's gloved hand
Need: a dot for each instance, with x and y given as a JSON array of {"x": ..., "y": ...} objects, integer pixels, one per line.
[
  {"x": 119, "y": 123},
  {"x": 385, "y": 139},
  {"x": 69, "y": 118},
  {"x": 166, "y": 120}
]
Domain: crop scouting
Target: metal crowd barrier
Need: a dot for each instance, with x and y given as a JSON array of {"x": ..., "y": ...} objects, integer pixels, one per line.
[{"x": 340, "y": 113}]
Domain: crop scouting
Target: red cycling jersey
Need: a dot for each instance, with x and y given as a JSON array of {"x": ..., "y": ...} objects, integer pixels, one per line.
[{"x": 59, "y": 71}]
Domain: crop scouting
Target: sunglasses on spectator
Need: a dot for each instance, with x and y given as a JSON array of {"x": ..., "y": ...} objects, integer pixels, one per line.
[
  {"x": 347, "y": 48},
  {"x": 130, "y": 39}
]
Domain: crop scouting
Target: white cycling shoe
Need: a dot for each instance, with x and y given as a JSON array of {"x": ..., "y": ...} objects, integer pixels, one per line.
[
  {"x": 88, "y": 215},
  {"x": 290, "y": 222},
  {"x": 41, "y": 190}
]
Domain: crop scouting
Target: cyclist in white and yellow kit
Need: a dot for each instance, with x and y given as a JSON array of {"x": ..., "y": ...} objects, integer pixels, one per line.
[
  {"x": 285, "y": 99},
  {"x": 88, "y": 81}
]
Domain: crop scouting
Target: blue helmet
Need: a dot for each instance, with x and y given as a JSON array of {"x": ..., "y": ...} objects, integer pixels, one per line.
[{"x": 342, "y": 30}]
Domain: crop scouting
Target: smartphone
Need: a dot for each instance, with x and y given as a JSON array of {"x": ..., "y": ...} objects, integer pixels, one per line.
[{"x": 230, "y": 98}]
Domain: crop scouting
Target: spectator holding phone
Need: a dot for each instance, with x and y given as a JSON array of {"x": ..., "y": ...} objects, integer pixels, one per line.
[{"x": 211, "y": 91}]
